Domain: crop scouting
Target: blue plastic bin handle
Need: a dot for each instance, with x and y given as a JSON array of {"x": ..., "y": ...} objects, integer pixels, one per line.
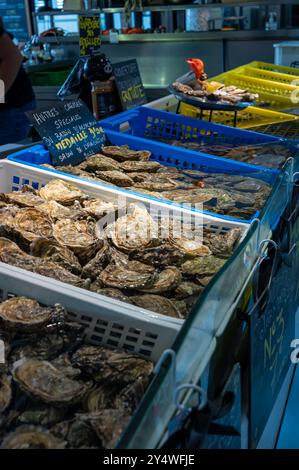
[{"x": 116, "y": 121}]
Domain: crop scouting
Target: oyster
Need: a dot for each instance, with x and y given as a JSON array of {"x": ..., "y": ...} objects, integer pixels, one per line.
[
  {"x": 22, "y": 198},
  {"x": 109, "y": 292},
  {"x": 97, "y": 208},
  {"x": 133, "y": 166},
  {"x": 186, "y": 289},
  {"x": 96, "y": 265},
  {"x": 30, "y": 224},
  {"x": 157, "y": 304},
  {"x": 191, "y": 246},
  {"x": 116, "y": 177},
  {"x": 223, "y": 244},
  {"x": 108, "y": 425},
  {"x": 134, "y": 231},
  {"x": 56, "y": 211},
  {"x": 80, "y": 434},
  {"x": 61, "y": 192},
  {"x": 162, "y": 255},
  {"x": 31, "y": 437},
  {"x": 22, "y": 314},
  {"x": 204, "y": 266},
  {"x": 181, "y": 306},
  {"x": 54, "y": 270},
  {"x": 41, "y": 380},
  {"x": 5, "y": 393},
  {"x": 41, "y": 415},
  {"x": 133, "y": 275},
  {"x": 159, "y": 185},
  {"x": 10, "y": 253},
  {"x": 78, "y": 236},
  {"x": 50, "y": 249},
  {"x": 123, "y": 153},
  {"x": 165, "y": 281},
  {"x": 99, "y": 162},
  {"x": 101, "y": 398},
  {"x": 117, "y": 367}
]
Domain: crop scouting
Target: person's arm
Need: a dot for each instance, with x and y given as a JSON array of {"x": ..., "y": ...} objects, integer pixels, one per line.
[{"x": 10, "y": 61}]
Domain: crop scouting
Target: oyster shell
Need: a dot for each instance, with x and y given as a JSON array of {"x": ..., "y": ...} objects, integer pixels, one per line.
[
  {"x": 80, "y": 434},
  {"x": 41, "y": 380},
  {"x": 137, "y": 230},
  {"x": 41, "y": 415},
  {"x": 110, "y": 292},
  {"x": 123, "y": 153},
  {"x": 98, "y": 208},
  {"x": 30, "y": 224},
  {"x": 5, "y": 393},
  {"x": 159, "y": 185},
  {"x": 116, "y": 177},
  {"x": 54, "y": 270},
  {"x": 162, "y": 255},
  {"x": 186, "y": 289},
  {"x": 157, "y": 304},
  {"x": 99, "y": 162},
  {"x": 56, "y": 211},
  {"x": 45, "y": 248},
  {"x": 22, "y": 198},
  {"x": 10, "y": 253},
  {"x": 94, "y": 268},
  {"x": 191, "y": 246},
  {"x": 78, "y": 236},
  {"x": 108, "y": 425},
  {"x": 204, "y": 266},
  {"x": 165, "y": 281},
  {"x": 61, "y": 192},
  {"x": 133, "y": 275},
  {"x": 223, "y": 244},
  {"x": 22, "y": 314},
  {"x": 107, "y": 365},
  {"x": 136, "y": 166},
  {"x": 31, "y": 437}
]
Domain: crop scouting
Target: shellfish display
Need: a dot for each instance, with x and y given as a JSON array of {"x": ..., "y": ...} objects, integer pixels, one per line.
[
  {"x": 226, "y": 194},
  {"x": 149, "y": 261},
  {"x": 57, "y": 391}
]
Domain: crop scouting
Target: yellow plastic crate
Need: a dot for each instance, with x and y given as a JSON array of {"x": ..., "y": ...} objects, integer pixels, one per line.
[
  {"x": 269, "y": 75},
  {"x": 278, "y": 95},
  {"x": 274, "y": 68},
  {"x": 249, "y": 117}
]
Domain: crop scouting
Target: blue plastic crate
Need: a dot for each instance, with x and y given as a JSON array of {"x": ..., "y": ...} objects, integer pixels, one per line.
[
  {"x": 147, "y": 123},
  {"x": 166, "y": 155}
]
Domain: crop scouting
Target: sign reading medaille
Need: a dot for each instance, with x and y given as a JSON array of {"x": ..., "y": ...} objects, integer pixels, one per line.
[
  {"x": 129, "y": 84},
  {"x": 69, "y": 131}
]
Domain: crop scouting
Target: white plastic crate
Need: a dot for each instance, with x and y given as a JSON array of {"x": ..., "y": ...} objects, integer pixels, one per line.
[
  {"x": 107, "y": 321},
  {"x": 286, "y": 52},
  {"x": 14, "y": 175}
]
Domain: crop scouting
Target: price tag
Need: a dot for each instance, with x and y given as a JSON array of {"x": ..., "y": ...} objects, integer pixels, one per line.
[{"x": 90, "y": 34}]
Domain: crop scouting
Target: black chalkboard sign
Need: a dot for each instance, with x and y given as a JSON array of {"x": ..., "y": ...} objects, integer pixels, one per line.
[
  {"x": 15, "y": 18},
  {"x": 129, "y": 84},
  {"x": 69, "y": 131},
  {"x": 89, "y": 32}
]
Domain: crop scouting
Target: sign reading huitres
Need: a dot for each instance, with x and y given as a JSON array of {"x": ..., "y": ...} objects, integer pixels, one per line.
[
  {"x": 69, "y": 131},
  {"x": 90, "y": 34},
  {"x": 129, "y": 84}
]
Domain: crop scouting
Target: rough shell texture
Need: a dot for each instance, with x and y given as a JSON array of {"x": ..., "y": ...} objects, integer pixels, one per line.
[
  {"x": 40, "y": 379},
  {"x": 56, "y": 211},
  {"x": 140, "y": 166},
  {"x": 99, "y": 162},
  {"x": 30, "y": 224},
  {"x": 30, "y": 437},
  {"x": 22, "y": 314},
  {"x": 116, "y": 177},
  {"x": 49, "y": 269},
  {"x": 22, "y": 199},
  {"x": 165, "y": 281},
  {"x": 128, "y": 276},
  {"x": 163, "y": 255},
  {"x": 204, "y": 266},
  {"x": 78, "y": 236},
  {"x": 157, "y": 304},
  {"x": 98, "y": 208},
  {"x": 61, "y": 192},
  {"x": 5, "y": 392},
  {"x": 45, "y": 248},
  {"x": 123, "y": 153}
]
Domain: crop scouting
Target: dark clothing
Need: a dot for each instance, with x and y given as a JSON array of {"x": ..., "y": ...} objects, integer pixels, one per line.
[{"x": 21, "y": 92}]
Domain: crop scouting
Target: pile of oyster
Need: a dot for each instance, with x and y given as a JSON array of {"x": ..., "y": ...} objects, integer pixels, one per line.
[
  {"x": 160, "y": 264},
  {"x": 215, "y": 92},
  {"x": 232, "y": 195},
  {"x": 271, "y": 155},
  {"x": 57, "y": 391}
]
